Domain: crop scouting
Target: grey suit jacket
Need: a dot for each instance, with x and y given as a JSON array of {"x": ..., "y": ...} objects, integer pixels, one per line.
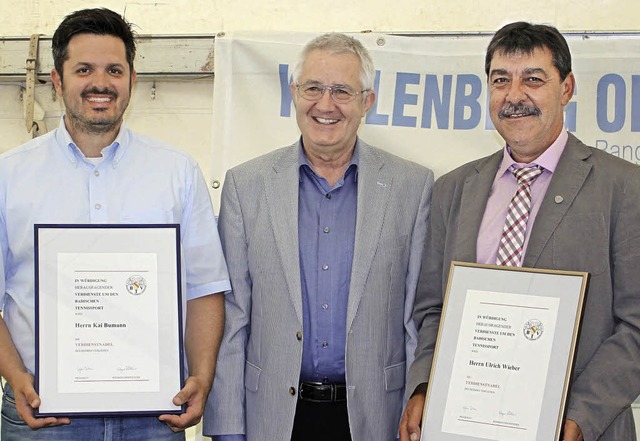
[
  {"x": 255, "y": 389},
  {"x": 593, "y": 226}
]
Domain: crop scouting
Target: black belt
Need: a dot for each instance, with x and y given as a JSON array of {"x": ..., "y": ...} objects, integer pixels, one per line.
[{"x": 322, "y": 393}]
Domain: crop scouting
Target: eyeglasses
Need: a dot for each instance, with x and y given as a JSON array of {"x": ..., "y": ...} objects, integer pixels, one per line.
[{"x": 313, "y": 91}]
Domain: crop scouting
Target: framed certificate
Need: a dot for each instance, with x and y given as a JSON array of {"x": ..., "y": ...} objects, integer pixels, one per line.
[
  {"x": 108, "y": 319},
  {"x": 504, "y": 354}
]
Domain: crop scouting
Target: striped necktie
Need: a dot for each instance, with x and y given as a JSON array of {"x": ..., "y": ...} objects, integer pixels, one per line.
[{"x": 515, "y": 226}]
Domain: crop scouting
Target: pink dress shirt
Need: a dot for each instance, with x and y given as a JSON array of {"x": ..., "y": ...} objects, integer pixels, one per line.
[{"x": 502, "y": 190}]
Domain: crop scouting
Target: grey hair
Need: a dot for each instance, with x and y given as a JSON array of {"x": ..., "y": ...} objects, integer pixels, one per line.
[{"x": 339, "y": 44}]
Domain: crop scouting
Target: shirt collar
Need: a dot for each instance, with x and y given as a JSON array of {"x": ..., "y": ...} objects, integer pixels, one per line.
[
  {"x": 116, "y": 150},
  {"x": 548, "y": 160},
  {"x": 304, "y": 162}
]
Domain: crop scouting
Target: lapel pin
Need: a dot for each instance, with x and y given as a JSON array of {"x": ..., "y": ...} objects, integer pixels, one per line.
[{"x": 381, "y": 184}]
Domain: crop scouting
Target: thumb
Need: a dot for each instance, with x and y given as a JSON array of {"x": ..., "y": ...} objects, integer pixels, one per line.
[{"x": 32, "y": 398}]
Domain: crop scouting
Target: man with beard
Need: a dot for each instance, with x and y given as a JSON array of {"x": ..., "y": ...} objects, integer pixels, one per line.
[
  {"x": 583, "y": 215},
  {"x": 94, "y": 170}
]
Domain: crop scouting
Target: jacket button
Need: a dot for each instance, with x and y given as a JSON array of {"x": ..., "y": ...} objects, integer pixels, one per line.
[
  {"x": 299, "y": 335},
  {"x": 292, "y": 391}
]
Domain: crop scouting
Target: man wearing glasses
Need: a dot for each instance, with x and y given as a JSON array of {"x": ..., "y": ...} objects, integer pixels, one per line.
[{"x": 324, "y": 241}]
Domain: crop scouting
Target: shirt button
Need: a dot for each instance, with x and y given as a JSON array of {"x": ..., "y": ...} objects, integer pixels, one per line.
[
  {"x": 325, "y": 344},
  {"x": 326, "y": 229},
  {"x": 292, "y": 390},
  {"x": 98, "y": 206},
  {"x": 325, "y": 306},
  {"x": 299, "y": 335},
  {"x": 325, "y": 267},
  {"x": 328, "y": 195},
  {"x": 96, "y": 172}
]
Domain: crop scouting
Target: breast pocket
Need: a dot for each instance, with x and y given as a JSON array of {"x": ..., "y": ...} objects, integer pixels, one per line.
[{"x": 581, "y": 243}]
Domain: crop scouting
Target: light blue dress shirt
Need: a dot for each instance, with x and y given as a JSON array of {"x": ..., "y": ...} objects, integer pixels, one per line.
[{"x": 48, "y": 180}]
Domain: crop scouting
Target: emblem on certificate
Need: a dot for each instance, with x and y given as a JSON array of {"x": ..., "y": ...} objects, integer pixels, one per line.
[
  {"x": 533, "y": 329},
  {"x": 108, "y": 319},
  {"x": 504, "y": 354},
  {"x": 136, "y": 285}
]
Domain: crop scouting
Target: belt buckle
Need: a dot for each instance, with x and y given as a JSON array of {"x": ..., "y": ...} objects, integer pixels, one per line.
[
  {"x": 319, "y": 392},
  {"x": 315, "y": 392}
]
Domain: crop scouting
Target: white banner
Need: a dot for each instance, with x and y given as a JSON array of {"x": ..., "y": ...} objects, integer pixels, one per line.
[{"x": 431, "y": 96}]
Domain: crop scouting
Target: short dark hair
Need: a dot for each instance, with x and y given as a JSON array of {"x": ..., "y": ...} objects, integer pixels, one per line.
[
  {"x": 98, "y": 21},
  {"x": 523, "y": 38}
]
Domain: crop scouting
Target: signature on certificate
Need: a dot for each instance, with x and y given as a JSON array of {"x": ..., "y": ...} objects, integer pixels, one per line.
[
  {"x": 83, "y": 369},
  {"x": 126, "y": 368}
]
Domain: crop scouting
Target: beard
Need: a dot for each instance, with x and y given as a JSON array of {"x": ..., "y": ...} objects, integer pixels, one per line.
[
  {"x": 94, "y": 121},
  {"x": 93, "y": 125}
]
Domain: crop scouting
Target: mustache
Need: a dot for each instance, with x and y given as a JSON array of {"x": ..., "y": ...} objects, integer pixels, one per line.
[
  {"x": 96, "y": 91},
  {"x": 518, "y": 109}
]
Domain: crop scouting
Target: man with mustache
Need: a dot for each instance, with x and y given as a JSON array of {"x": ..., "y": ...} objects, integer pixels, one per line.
[
  {"x": 94, "y": 170},
  {"x": 583, "y": 215}
]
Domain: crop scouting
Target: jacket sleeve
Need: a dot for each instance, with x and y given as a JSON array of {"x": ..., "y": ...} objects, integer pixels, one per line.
[
  {"x": 428, "y": 305},
  {"x": 610, "y": 380},
  {"x": 418, "y": 240},
  {"x": 225, "y": 409}
]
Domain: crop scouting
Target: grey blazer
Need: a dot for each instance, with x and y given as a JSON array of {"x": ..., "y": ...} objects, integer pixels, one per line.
[
  {"x": 258, "y": 370},
  {"x": 589, "y": 220}
]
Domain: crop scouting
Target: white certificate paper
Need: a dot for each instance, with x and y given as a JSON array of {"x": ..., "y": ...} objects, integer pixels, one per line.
[
  {"x": 503, "y": 351},
  {"x": 106, "y": 345},
  {"x": 109, "y": 315}
]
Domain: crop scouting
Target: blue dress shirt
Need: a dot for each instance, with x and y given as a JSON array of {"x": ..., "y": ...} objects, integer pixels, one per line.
[{"x": 326, "y": 234}]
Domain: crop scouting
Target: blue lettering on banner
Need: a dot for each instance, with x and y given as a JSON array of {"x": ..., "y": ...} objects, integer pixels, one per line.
[
  {"x": 373, "y": 117},
  {"x": 488, "y": 124},
  {"x": 285, "y": 90},
  {"x": 635, "y": 103},
  {"x": 606, "y": 83},
  {"x": 468, "y": 90},
  {"x": 571, "y": 112},
  {"x": 402, "y": 99},
  {"x": 570, "y": 115},
  {"x": 613, "y": 87},
  {"x": 440, "y": 101}
]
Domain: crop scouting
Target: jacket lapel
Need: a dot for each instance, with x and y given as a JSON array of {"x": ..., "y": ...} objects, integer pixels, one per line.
[
  {"x": 374, "y": 189},
  {"x": 282, "y": 198},
  {"x": 475, "y": 193},
  {"x": 567, "y": 180}
]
